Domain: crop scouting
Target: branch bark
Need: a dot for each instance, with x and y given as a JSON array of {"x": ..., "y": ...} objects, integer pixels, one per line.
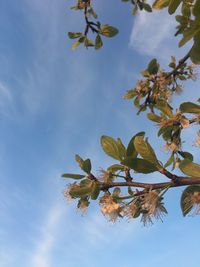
[{"x": 183, "y": 181}]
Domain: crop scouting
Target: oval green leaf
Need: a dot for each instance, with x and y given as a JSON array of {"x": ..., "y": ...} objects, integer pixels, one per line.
[
  {"x": 108, "y": 31},
  {"x": 196, "y": 9},
  {"x": 98, "y": 42},
  {"x": 189, "y": 107},
  {"x": 73, "y": 176},
  {"x": 140, "y": 165},
  {"x": 190, "y": 168},
  {"x": 195, "y": 51},
  {"x": 110, "y": 147},
  {"x": 74, "y": 35},
  {"x": 80, "y": 192},
  {"x": 186, "y": 200},
  {"x": 145, "y": 150},
  {"x": 154, "y": 117},
  {"x": 86, "y": 167},
  {"x": 131, "y": 151},
  {"x": 95, "y": 190},
  {"x": 159, "y": 4},
  {"x": 115, "y": 167},
  {"x": 153, "y": 66},
  {"x": 173, "y": 5}
]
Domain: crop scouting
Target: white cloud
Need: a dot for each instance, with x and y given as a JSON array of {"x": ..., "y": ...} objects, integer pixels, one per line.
[
  {"x": 153, "y": 34},
  {"x": 41, "y": 256},
  {"x": 44, "y": 81},
  {"x": 6, "y": 259},
  {"x": 6, "y": 99},
  {"x": 100, "y": 233},
  {"x": 34, "y": 88},
  {"x": 95, "y": 229},
  {"x": 5, "y": 93}
]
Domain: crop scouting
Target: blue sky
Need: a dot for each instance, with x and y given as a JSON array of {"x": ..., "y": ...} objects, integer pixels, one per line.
[{"x": 55, "y": 103}]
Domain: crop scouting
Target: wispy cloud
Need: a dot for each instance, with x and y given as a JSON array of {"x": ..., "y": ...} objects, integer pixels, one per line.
[
  {"x": 6, "y": 98},
  {"x": 51, "y": 78},
  {"x": 45, "y": 243},
  {"x": 151, "y": 31},
  {"x": 153, "y": 35},
  {"x": 34, "y": 88},
  {"x": 99, "y": 232}
]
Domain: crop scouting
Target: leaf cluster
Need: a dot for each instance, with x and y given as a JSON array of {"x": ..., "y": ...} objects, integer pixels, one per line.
[
  {"x": 118, "y": 189},
  {"x": 93, "y": 25}
]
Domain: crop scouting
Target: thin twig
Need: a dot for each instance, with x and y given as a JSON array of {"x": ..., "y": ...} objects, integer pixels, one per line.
[{"x": 181, "y": 62}]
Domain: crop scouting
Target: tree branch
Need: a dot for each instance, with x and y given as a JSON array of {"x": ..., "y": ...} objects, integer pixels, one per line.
[
  {"x": 181, "y": 62},
  {"x": 183, "y": 181},
  {"x": 89, "y": 24},
  {"x": 170, "y": 175}
]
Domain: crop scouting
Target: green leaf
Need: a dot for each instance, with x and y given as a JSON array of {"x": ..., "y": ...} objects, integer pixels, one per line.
[
  {"x": 74, "y": 35},
  {"x": 173, "y": 62},
  {"x": 98, "y": 42},
  {"x": 115, "y": 167},
  {"x": 165, "y": 108},
  {"x": 86, "y": 166},
  {"x": 142, "y": 108},
  {"x": 186, "y": 155},
  {"x": 167, "y": 133},
  {"x": 85, "y": 183},
  {"x": 190, "y": 168},
  {"x": 75, "y": 45},
  {"x": 95, "y": 190},
  {"x": 74, "y": 7},
  {"x": 108, "y": 31},
  {"x": 173, "y": 5},
  {"x": 161, "y": 131},
  {"x": 130, "y": 94},
  {"x": 92, "y": 12},
  {"x": 170, "y": 161},
  {"x": 80, "y": 191},
  {"x": 154, "y": 117},
  {"x": 73, "y": 176},
  {"x": 189, "y": 107},
  {"x": 82, "y": 39},
  {"x": 88, "y": 42},
  {"x": 137, "y": 102},
  {"x": 110, "y": 147},
  {"x": 153, "y": 66},
  {"x": 121, "y": 148},
  {"x": 147, "y": 7},
  {"x": 139, "y": 165},
  {"x": 116, "y": 192},
  {"x": 196, "y": 9},
  {"x": 135, "y": 9},
  {"x": 145, "y": 73},
  {"x": 189, "y": 34},
  {"x": 186, "y": 10},
  {"x": 159, "y": 4},
  {"x": 131, "y": 151},
  {"x": 137, "y": 213},
  {"x": 79, "y": 160},
  {"x": 195, "y": 51},
  {"x": 145, "y": 150},
  {"x": 186, "y": 198},
  {"x": 181, "y": 19},
  {"x": 183, "y": 22}
]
